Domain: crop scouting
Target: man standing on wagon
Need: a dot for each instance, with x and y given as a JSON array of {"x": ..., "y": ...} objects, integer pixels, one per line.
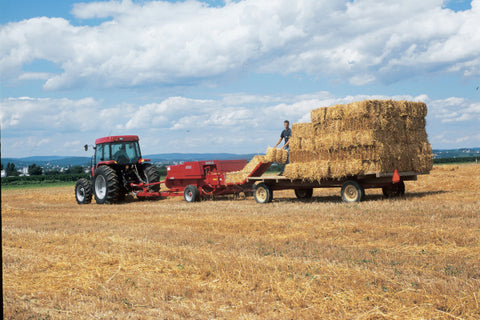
[{"x": 286, "y": 134}]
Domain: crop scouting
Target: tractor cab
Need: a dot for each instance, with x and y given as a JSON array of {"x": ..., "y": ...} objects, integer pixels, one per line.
[{"x": 120, "y": 150}]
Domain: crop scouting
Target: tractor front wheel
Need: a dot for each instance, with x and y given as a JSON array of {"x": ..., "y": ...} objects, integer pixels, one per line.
[
  {"x": 191, "y": 193},
  {"x": 83, "y": 191},
  {"x": 106, "y": 186}
]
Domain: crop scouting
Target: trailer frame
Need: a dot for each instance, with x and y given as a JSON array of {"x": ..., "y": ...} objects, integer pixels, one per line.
[{"x": 352, "y": 187}]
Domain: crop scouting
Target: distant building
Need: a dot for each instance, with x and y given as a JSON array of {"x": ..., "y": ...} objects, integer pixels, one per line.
[
  {"x": 4, "y": 174},
  {"x": 24, "y": 172}
]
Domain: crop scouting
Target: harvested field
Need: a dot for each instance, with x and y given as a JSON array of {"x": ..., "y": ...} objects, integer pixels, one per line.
[{"x": 410, "y": 258}]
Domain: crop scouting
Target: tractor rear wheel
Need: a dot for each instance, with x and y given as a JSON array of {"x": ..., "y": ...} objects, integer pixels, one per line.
[
  {"x": 304, "y": 193},
  {"x": 151, "y": 175},
  {"x": 106, "y": 185},
  {"x": 191, "y": 193},
  {"x": 83, "y": 191}
]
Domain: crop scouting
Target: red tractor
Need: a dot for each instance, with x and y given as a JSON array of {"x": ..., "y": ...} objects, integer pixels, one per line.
[{"x": 117, "y": 169}]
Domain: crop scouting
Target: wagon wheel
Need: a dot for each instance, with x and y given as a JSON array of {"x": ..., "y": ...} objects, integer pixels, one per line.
[
  {"x": 352, "y": 191},
  {"x": 394, "y": 190},
  {"x": 304, "y": 193},
  {"x": 263, "y": 193}
]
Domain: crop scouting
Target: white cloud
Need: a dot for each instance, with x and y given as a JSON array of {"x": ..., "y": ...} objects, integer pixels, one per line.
[
  {"x": 21, "y": 115},
  {"x": 158, "y": 42},
  {"x": 237, "y": 123},
  {"x": 456, "y": 109}
]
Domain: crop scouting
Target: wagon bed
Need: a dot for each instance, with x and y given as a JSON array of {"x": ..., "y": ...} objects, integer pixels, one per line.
[{"x": 352, "y": 187}]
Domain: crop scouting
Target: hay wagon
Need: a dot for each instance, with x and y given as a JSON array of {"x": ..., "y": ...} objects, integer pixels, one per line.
[
  {"x": 365, "y": 144},
  {"x": 352, "y": 188}
]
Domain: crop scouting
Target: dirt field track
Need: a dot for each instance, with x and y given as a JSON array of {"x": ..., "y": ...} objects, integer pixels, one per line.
[{"x": 411, "y": 258}]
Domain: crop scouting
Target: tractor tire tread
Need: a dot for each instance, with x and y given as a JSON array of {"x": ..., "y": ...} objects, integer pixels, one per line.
[{"x": 113, "y": 192}]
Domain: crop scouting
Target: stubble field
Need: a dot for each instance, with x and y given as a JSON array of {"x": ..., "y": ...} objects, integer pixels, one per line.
[{"x": 412, "y": 258}]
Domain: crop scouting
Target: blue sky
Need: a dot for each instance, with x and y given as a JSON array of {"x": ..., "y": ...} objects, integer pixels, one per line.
[{"x": 216, "y": 76}]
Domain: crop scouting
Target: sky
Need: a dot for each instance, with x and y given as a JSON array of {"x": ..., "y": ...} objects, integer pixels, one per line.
[{"x": 221, "y": 76}]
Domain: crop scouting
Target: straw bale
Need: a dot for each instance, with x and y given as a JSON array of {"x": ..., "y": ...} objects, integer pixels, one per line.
[
  {"x": 312, "y": 171},
  {"x": 369, "y": 109},
  {"x": 361, "y": 153},
  {"x": 271, "y": 155},
  {"x": 295, "y": 142},
  {"x": 235, "y": 177},
  {"x": 346, "y": 139},
  {"x": 344, "y": 168},
  {"x": 303, "y": 156},
  {"x": 240, "y": 176},
  {"x": 414, "y": 123},
  {"x": 308, "y": 143},
  {"x": 318, "y": 115},
  {"x": 424, "y": 161},
  {"x": 281, "y": 156},
  {"x": 252, "y": 164},
  {"x": 302, "y": 129},
  {"x": 360, "y": 137},
  {"x": 416, "y": 136},
  {"x": 340, "y": 125},
  {"x": 335, "y": 113}
]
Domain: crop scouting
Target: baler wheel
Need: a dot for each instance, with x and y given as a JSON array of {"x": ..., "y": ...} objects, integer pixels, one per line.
[
  {"x": 83, "y": 191},
  {"x": 352, "y": 191},
  {"x": 151, "y": 175},
  {"x": 191, "y": 193},
  {"x": 106, "y": 186},
  {"x": 263, "y": 193}
]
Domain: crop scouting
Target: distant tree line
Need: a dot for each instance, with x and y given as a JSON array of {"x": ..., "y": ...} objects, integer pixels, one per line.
[
  {"x": 25, "y": 180},
  {"x": 34, "y": 170},
  {"x": 455, "y": 160}
]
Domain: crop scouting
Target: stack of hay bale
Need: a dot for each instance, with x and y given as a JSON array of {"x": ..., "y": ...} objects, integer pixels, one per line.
[
  {"x": 360, "y": 138},
  {"x": 273, "y": 155}
]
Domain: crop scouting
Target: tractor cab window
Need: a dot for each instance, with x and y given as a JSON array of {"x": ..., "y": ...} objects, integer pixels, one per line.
[
  {"x": 125, "y": 152},
  {"x": 100, "y": 153}
]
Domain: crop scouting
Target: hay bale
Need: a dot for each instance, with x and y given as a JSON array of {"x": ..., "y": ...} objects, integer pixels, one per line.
[
  {"x": 310, "y": 171},
  {"x": 281, "y": 156},
  {"x": 276, "y": 155},
  {"x": 308, "y": 143},
  {"x": 252, "y": 164},
  {"x": 295, "y": 142},
  {"x": 303, "y": 156},
  {"x": 235, "y": 177},
  {"x": 346, "y": 167},
  {"x": 271, "y": 155},
  {"x": 302, "y": 129},
  {"x": 238, "y": 177},
  {"x": 362, "y": 137}
]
